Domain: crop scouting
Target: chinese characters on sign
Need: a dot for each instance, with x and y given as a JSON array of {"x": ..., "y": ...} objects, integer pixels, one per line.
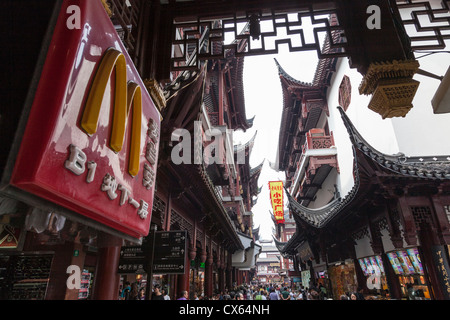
[
  {"x": 276, "y": 198},
  {"x": 443, "y": 270},
  {"x": 132, "y": 259},
  {"x": 76, "y": 163},
  {"x": 98, "y": 152},
  {"x": 170, "y": 252}
]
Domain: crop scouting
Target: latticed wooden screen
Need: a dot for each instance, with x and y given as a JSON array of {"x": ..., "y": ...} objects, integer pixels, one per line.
[{"x": 125, "y": 17}]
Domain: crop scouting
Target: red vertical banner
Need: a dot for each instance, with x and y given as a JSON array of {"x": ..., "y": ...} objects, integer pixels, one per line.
[{"x": 276, "y": 199}]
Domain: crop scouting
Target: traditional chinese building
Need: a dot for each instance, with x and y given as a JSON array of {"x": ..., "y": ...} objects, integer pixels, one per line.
[
  {"x": 268, "y": 264},
  {"x": 367, "y": 214},
  {"x": 283, "y": 232},
  {"x": 95, "y": 214},
  {"x": 95, "y": 90},
  {"x": 212, "y": 197}
]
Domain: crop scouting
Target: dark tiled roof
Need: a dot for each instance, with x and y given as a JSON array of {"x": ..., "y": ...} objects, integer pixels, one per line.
[
  {"x": 397, "y": 164},
  {"x": 430, "y": 167},
  {"x": 247, "y": 146}
]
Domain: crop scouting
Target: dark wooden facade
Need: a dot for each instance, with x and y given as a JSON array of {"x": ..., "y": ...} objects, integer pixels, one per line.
[{"x": 408, "y": 196}]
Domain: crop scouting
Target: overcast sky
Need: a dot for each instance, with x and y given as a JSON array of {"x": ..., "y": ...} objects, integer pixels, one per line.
[{"x": 264, "y": 100}]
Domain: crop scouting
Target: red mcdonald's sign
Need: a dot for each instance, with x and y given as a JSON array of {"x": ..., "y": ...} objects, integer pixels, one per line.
[{"x": 92, "y": 136}]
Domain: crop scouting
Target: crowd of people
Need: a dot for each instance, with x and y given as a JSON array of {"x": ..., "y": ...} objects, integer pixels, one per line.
[{"x": 243, "y": 292}]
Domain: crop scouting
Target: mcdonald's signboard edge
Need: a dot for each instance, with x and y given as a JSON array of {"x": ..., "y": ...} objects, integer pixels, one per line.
[{"x": 58, "y": 161}]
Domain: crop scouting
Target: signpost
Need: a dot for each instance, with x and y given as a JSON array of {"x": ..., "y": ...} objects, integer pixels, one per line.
[
  {"x": 162, "y": 252},
  {"x": 132, "y": 260},
  {"x": 170, "y": 252}
]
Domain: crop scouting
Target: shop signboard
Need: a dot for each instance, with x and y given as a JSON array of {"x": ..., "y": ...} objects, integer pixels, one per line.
[
  {"x": 375, "y": 266},
  {"x": 371, "y": 265},
  {"x": 380, "y": 263},
  {"x": 306, "y": 277},
  {"x": 364, "y": 267},
  {"x": 440, "y": 259},
  {"x": 276, "y": 198},
  {"x": 393, "y": 259},
  {"x": 370, "y": 268},
  {"x": 92, "y": 134},
  {"x": 414, "y": 256},
  {"x": 406, "y": 264},
  {"x": 304, "y": 251},
  {"x": 132, "y": 259},
  {"x": 170, "y": 252}
]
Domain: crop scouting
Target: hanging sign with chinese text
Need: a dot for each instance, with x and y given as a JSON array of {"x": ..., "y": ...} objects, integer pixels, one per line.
[
  {"x": 132, "y": 259},
  {"x": 92, "y": 136},
  {"x": 276, "y": 198},
  {"x": 170, "y": 252},
  {"x": 441, "y": 262}
]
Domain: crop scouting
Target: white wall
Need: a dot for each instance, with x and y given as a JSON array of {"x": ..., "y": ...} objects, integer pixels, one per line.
[
  {"x": 376, "y": 131},
  {"x": 421, "y": 132},
  {"x": 326, "y": 193},
  {"x": 363, "y": 248}
]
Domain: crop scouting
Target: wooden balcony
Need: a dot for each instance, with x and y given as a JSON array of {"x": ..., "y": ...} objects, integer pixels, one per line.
[{"x": 318, "y": 158}]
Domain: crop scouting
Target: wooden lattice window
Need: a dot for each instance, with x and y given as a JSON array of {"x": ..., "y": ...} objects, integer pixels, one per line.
[
  {"x": 177, "y": 222},
  {"x": 125, "y": 18},
  {"x": 159, "y": 209},
  {"x": 422, "y": 215},
  {"x": 345, "y": 93}
]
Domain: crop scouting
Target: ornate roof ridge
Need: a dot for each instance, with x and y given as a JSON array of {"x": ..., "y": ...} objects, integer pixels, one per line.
[
  {"x": 438, "y": 169},
  {"x": 249, "y": 144},
  {"x": 284, "y": 74},
  {"x": 321, "y": 216},
  {"x": 202, "y": 171},
  {"x": 257, "y": 169}
]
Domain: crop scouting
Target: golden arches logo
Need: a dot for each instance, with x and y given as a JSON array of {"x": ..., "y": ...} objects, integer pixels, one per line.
[{"x": 127, "y": 96}]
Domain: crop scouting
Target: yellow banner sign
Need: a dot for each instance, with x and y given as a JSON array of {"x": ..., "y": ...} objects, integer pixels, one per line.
[{"x": 276, "y": 198}]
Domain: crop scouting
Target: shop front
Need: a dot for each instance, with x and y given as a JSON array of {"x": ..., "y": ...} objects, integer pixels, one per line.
[
  {"x": 373, "y": 270},
  {"x": 343, "y": 278},
  {"x": 197, "y": 277},
  {"x": 408, "y": 268}
]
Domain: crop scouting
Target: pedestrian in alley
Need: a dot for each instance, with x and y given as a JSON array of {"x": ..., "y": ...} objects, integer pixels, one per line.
[
  {"x": 134, "y": 292},
  {"x": 273, "y": 295},
  {"x": 165, "y": 295},
  {"x": 157, "y": 295},
  {"x": 359, "y": 294},
  {"x": 183, "y": 295},
  {"x": 284, "y": 295},
  {"x": 141, "y": 295},
  {"x": 126, "y": 291},
  {"x": 314, "y": 295}
]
